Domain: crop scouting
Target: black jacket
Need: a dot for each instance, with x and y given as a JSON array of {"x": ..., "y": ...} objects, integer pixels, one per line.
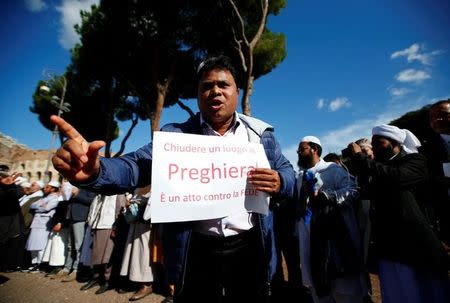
[
  {"x": 79, "y": 205},
  {"x": 436, "y": 153},
  {"x": 11, "y": 220},
  {"x": 398, "y": 190}
]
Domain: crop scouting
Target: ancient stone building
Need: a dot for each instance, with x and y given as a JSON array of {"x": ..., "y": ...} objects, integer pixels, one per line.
[{"x": 30, "y": 163}]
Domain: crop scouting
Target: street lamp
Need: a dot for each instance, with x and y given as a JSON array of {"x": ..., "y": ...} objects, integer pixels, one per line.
[{"x": 62, "y": 107}]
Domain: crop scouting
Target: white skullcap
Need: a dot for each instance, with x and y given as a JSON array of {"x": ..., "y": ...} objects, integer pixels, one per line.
[
  {"x": 40, "y": 184},
  {"x": 54, "y": 184},
  {"x": 25, "y": 184},
  {"x": 20, "y": 180},
  {"x": 311, "y": 139},
  {"x": 407, "y": 139}
]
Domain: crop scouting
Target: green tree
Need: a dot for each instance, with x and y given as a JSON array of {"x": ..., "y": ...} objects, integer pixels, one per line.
[
  {"x": 137, "y": 57},
  {"x": 136, "y": 43},
  {"x": 239, "y": 30},
  {"x": 248, "y": 31}
]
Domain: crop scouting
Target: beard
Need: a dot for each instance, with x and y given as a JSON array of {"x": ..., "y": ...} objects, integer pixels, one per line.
[
  {"x": 305, "y": 161},
  {"x": 384, "y": 154}
]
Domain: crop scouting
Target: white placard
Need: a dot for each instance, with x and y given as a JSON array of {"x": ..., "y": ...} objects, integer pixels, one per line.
[
  {"x": 197, "y": 177},
  {"x": 446, "y": 168}
]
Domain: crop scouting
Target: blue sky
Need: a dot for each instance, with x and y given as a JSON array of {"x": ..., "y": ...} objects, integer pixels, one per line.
[{"x": 350, "y": 65}]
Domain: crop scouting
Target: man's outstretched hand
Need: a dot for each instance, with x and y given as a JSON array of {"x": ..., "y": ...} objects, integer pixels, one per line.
[{"x": 77, "y": 160}]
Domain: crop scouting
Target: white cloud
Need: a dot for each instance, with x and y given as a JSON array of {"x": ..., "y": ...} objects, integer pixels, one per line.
[
  {"x": 321, "y": 103},
  {"x": 35, "y": 5},
  {"x": 339, "y": 103},
  {"x": 412, "y": 75},
  {"x": 397, "y": 92},
  {"x": 415, "y": 52},
  {"x": 70, "y": 15},
  {"x": 291, "y": 154}
]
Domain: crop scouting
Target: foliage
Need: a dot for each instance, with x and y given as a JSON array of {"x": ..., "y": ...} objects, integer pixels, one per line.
[
  {"x": 42, "y": 105},
  {"x": 238, "y": 29},
  {"x": 136, "y": 57},
  {"x": 417, "y": 122}
]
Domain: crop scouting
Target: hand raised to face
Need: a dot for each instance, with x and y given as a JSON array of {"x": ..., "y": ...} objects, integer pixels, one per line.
[{"x": 77, "y": 160}]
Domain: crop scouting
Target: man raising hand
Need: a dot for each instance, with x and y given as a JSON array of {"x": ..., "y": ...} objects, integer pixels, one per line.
[
  {"x": 226, "y": 259},
  {"x": 77, "y": 159}
]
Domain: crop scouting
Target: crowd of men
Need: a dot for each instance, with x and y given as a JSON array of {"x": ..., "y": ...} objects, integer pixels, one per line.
[{"x": 382, "y": 207}]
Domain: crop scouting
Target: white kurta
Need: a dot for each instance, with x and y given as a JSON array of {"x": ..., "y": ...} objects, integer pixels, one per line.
[
  {"x": 55, "y": 252},
  {"x": 44, "y": 210}
]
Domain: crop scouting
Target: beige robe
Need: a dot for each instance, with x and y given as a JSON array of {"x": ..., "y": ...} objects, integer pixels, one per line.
[{"x": 136, "y": 258}]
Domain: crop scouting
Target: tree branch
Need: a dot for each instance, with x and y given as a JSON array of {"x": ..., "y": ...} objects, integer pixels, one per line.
[
  {"x": 186, "y": 108},
  {"x": 241, "y": 21},
  {"x": 262, "y": 24},
  {"x": 239, "y": 49},
  {"x": 134, "y": 122}
]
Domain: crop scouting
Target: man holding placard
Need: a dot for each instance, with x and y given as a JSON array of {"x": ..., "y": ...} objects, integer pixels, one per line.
[{"x": 225, "y": 257}]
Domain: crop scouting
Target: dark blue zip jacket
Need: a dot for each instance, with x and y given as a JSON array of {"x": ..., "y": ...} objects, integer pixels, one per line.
[{"x": 134, "y": 170}]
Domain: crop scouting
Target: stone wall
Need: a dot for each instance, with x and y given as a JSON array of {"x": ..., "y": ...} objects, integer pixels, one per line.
[{"x": 20, "y": 158}]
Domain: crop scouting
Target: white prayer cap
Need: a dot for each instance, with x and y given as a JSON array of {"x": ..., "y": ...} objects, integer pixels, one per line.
[
  {"x": 54, "y": 184},
  {"x": 25, "y": 184},
  {"x": 20, "y": 180},
  {"x": 311, "y": 139},
  {"x": 40, "y": 184},
  {"x": 407, "y": 139}
]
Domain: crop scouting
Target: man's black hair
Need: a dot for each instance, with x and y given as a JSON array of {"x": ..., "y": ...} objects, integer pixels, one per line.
[
  {"x": 332, "y": 157},
  {"x": 220, "y": 61}
]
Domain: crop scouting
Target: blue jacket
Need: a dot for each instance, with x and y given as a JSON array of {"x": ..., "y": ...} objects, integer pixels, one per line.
[{"x": 134, "y": 170}]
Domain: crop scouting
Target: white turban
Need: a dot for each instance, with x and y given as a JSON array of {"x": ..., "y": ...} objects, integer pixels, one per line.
[
  {"x": 311, "y": 139},
  {"x": 408, "y": 141},
  {"x": 25, "y": 184},
  {"x": 54, "y": 184}
]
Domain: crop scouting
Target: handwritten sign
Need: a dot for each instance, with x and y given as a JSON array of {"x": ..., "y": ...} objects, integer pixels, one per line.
[{"x": 198, "y": 177}]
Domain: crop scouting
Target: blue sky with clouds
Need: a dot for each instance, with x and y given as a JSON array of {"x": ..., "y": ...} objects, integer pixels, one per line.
[{"x": 350, "y": 65}]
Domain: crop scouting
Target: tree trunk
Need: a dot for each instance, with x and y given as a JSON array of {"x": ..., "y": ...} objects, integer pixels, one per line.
[
  {"x": 159, "y": 105},
  {"x": 110, "y": 120},
  {"x": 245, "y": 50},
  {"x": 248, "y": 87},
  {"x": 134, "y": 122}
]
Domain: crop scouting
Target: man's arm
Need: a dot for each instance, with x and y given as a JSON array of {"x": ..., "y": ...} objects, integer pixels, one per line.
[
  {"x": 123, "y": 174},
  {"x": 45, "y": 204},
  {"x": 344, "y": 187},
  {"x": 79, "y": 162}
]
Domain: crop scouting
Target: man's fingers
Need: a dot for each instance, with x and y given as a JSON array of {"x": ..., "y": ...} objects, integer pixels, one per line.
[
  {"x": 94, "y": 148},
  {"x": 76, "y": 150},
  {"x": 61, "y": 165},
  {"x": 68, "y": 130},
  {"x": 265, "y": 179},
  {"x": 263, "y": 174}
]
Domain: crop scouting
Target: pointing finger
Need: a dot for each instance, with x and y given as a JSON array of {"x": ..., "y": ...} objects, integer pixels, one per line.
[{"x": 68, "y": 130}]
